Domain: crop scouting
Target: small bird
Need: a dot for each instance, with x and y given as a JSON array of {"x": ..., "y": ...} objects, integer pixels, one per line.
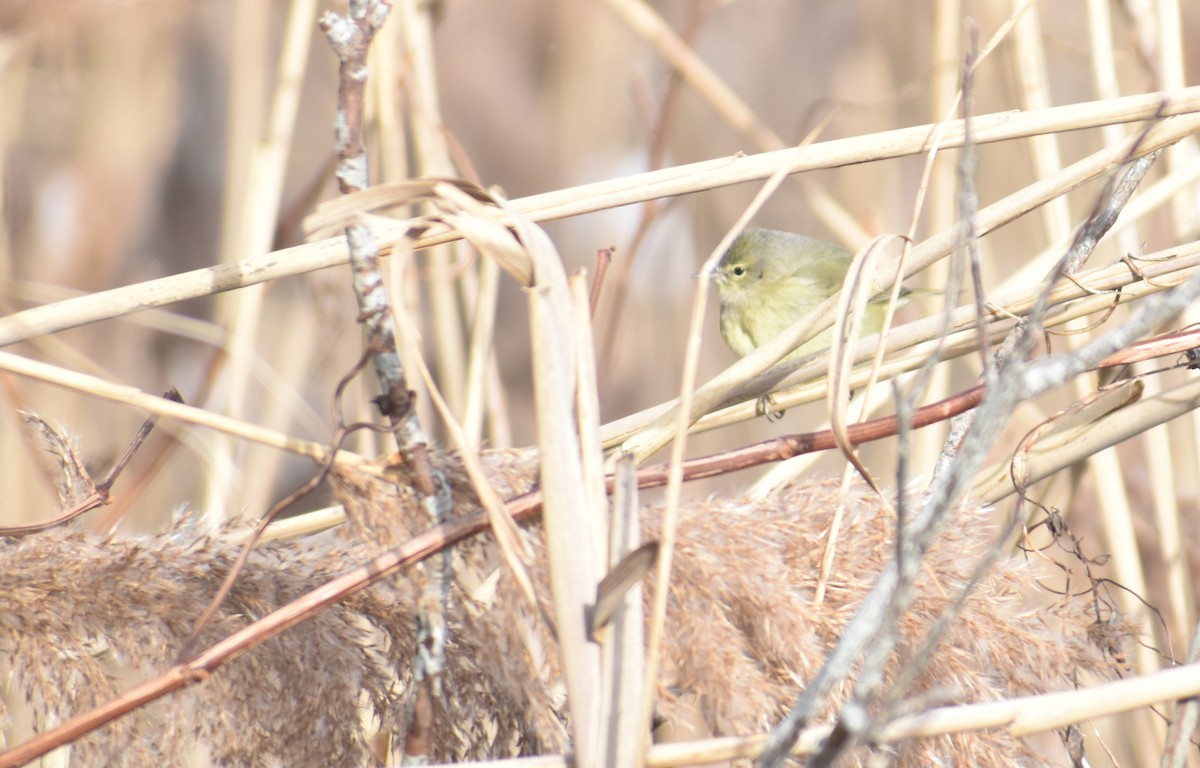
[{"x": 769, "y": 279}]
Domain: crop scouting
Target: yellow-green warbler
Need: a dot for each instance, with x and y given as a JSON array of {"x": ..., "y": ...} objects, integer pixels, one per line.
[{"x": 769, "y": 279}]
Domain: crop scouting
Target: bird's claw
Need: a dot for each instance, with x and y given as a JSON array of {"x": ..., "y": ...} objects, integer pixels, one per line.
[{"x": 763, "y": 408}]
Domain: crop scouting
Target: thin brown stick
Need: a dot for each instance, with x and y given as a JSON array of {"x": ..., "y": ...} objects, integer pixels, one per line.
[
  {"x": 789, "y": 446},
  {"x": 99, "y": 495},
  {"x": 198, "y": 668},
  {"x": 603, "y": 260},
  {"x": 341, "y": 432},
  {"x": 521, "y": 508}
]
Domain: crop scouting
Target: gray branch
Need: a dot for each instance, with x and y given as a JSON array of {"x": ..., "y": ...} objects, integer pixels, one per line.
[{"x": 870, "y": 636}]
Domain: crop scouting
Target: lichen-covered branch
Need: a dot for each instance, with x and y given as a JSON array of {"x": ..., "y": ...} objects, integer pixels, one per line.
[{"x": 351, "y": 36}]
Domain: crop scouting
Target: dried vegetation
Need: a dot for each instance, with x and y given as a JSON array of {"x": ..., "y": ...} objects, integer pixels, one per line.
[{"x": 127, "y": 259}]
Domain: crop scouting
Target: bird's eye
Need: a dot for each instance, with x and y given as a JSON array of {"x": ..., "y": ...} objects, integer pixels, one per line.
[{"x": 739, "y": 270}]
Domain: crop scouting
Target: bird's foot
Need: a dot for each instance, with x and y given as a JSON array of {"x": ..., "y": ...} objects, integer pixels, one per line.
[{"x": 763, "y": 407}]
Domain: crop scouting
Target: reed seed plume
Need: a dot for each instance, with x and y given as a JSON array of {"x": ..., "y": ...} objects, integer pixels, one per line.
[{"x": 85, "y": 613}]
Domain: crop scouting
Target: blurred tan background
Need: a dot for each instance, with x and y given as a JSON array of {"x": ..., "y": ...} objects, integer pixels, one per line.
[
  {"x": 127, "y": 127},
  {"x": 126, "y": 131}
]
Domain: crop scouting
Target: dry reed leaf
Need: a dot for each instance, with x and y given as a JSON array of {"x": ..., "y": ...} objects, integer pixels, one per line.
[
  {"x": 565, "y": 516},
  {"x": 486, "y": 225},
  {"x": 332, "y": 215}
]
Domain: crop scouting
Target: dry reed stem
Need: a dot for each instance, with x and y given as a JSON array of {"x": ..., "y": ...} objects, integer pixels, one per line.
[
  {"x": 431, "y": 159},
  {"x": 481, "y": 360},
  {"x": 178, "y": 326},
  {"x": 709, "y": 396},
  {"x": 1033, "y": 84},
  {"x": 105, "y": 305},
  {"x": 1187, "y": 713},
  {"x": 1170, "y": 524},
  {"x": 679, "y": 433},
  {"x": 1021, "y": 716},
  {"x": 144, "y": 401},
  {"x": 938, "y": 185},
  {"x": 257, "y": 162},
  {"x": 624, "y": 659},
  {"x": 587, "y": 415}
]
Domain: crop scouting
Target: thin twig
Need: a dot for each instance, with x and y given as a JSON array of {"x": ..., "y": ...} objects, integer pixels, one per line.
[
  {"x": 351, "y": 36},
  {"x": 854, "y": 721},
  {"x": 341, "y": 432},
  {"x": 603, "y": 260},
  {"x": 99, "y": 495}
]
